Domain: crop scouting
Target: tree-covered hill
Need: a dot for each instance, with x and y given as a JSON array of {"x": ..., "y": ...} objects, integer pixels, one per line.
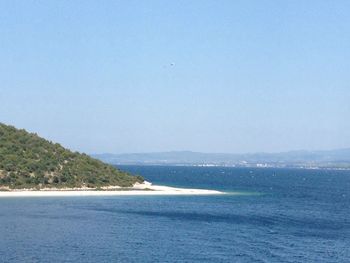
[{"x": 28, "y": 161}]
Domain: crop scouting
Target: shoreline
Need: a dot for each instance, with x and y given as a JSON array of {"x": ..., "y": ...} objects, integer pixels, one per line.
[{"x": 138, "y": 189}]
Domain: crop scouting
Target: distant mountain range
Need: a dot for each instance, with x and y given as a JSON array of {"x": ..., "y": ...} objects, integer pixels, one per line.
[{"x": 339, "y": 158}]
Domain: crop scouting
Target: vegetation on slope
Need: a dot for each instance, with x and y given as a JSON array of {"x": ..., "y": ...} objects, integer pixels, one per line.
[{"x": 28, "y": 161}]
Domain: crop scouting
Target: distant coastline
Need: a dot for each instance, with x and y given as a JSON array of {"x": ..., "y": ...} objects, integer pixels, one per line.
[
  {"x": 331, "y": 159},
  {"x": 235, "y": 166}
]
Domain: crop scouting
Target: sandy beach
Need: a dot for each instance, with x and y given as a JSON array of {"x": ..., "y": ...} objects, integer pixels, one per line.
[{"x": 145, "y": 188}]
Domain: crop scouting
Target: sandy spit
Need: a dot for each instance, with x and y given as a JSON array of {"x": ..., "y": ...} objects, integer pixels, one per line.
[{"x": 145, "y": 188}]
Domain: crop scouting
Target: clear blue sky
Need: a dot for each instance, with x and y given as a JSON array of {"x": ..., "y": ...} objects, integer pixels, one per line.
[{"x": 212, "y": 76}]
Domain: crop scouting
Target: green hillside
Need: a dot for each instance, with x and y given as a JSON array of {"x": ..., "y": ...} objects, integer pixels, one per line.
[{"x": 28, "y": 161}]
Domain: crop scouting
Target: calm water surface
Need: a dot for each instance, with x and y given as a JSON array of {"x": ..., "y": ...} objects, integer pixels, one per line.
[{"x": 282, "y": 215}]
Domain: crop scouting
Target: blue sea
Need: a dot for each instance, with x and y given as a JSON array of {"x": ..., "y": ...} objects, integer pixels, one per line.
[{"x": 278, "y": 215}]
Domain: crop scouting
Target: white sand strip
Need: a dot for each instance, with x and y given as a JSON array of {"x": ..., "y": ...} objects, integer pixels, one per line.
[{"x": 138, "y": 189}]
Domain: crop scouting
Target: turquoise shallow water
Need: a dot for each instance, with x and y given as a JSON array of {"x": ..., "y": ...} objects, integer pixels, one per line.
[{"x": 284, "y": 215}]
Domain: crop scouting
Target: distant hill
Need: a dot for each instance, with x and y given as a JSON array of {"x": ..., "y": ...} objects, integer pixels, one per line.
[
  {"x": 28, "y": 161},
  {"x": 325, "y": 159}
]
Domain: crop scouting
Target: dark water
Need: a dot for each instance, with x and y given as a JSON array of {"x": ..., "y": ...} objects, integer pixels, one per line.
[{"x": 282, "y": 216}]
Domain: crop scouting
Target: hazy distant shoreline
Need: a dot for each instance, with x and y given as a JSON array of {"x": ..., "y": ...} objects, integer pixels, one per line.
[
  {"x": 332, "y": 159},
  {"x": 232, "y": 166}
]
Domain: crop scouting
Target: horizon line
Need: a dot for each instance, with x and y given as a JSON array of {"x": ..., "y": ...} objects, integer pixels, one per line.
[{"x": 237, "y": 153}]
